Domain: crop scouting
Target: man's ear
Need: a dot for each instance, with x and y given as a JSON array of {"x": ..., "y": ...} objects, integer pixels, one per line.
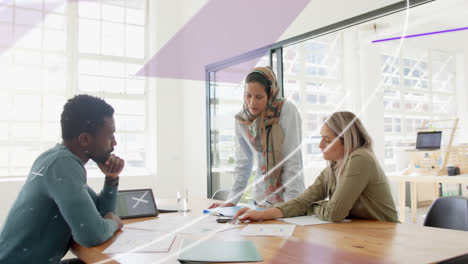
[{"x": 84, "y": 139}]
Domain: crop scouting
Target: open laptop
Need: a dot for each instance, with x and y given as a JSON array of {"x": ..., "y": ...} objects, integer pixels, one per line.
[{"x": 428, "y": 140}]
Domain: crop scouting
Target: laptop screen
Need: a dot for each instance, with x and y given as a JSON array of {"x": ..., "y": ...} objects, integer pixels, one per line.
[
  {"x": 136, "y": 203},
  {"x": 429, "y": 140}
]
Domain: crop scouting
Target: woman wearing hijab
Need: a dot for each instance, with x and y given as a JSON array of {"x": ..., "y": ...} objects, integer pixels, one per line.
[
  {"x": 352, "y": 185},
  {"x": 268, "y": 128}
]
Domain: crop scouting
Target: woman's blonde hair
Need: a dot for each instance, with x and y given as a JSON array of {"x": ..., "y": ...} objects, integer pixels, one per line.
[{"x": 349, "y": 129}]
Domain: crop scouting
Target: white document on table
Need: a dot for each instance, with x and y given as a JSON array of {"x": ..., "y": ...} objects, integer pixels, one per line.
[
  {"x": 208, "y": 225},
  {"x": 168, "y": 223},
  {"x": 308, "y": 220},
  {"x": 143, "y": 258},
  {"x": 133, "y": 240},
  {"x": 268, "y": 230},
  {"x": 182, "y": 224}
]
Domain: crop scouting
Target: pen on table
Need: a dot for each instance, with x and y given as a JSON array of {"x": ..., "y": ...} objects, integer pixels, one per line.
[{"x": 216, "y": 214}]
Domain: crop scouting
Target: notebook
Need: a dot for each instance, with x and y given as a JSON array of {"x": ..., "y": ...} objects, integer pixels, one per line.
[{"x": 206, "y": 251}]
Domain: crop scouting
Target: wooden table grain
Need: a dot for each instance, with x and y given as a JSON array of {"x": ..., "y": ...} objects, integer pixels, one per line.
[{"x": 390, "y": 242}]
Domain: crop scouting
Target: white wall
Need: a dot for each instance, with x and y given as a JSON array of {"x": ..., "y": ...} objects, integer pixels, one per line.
[
  {"x": 180, "y": 113},
  {"x": 194, "y": 120},
  {"x": 318, "y": 14},
  {"x": 8, "y": 193}
]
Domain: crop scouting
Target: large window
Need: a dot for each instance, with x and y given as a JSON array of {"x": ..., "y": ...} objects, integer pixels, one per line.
[
  {"x": 419, "y": 84},
  {"x": 313, "y": 81},
  {"x": 226, "y": 100},
  {"x": 50, "y": 52}
]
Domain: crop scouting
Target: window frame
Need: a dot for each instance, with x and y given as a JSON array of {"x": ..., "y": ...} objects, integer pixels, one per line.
[{"x": 72, "y": 56}]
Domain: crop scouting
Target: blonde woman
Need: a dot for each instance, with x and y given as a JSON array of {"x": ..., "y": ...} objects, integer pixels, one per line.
[{"x": 352, "y": 185}]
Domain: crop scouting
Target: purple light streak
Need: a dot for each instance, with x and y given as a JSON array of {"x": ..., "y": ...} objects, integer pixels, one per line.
[{"x": 422, "y": 34}]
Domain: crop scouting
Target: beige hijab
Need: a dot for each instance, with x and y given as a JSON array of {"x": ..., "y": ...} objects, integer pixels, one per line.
[{"x": 267, "y": 137}]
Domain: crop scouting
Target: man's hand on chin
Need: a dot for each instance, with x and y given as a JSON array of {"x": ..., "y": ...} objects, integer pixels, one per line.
[{"x": 112, "y": 167}]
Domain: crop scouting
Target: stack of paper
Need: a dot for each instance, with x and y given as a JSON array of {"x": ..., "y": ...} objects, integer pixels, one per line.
[
  {"x": 157, "y": 235},
  {"x": 133, "y": 240},
  {"x": 180, "y": 224}
]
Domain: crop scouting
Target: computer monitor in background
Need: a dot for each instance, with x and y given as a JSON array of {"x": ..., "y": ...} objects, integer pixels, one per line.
[{"x": 428, "y": 140}]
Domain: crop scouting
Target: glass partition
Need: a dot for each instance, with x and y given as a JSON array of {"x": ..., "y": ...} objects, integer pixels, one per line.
[
  {"x": 313, "y": 80},
  {"x": 226, "y": 89},
  {"x": 394, "y": 71}
]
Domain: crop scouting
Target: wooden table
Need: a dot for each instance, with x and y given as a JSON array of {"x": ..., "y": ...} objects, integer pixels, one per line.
[
  {"x": 414, "y": 180},
  {"x": 397, "y": 243}
]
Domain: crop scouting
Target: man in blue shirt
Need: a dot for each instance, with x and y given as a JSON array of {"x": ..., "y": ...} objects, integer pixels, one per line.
[{"x": 55, "y": 205}]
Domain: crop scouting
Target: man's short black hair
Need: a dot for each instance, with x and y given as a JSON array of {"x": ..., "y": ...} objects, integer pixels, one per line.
[{"x": 84, "y": 113}]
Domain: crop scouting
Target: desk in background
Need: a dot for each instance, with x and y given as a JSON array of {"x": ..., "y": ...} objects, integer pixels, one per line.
[
  {"x": 415, "y": 179},
  {"x": 397, "y": 243}
]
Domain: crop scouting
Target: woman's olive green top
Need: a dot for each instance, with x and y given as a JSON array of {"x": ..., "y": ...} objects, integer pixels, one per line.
[{"x": 362, "y": 192}]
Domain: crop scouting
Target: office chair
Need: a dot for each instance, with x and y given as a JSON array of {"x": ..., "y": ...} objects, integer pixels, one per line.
[
  {"x": 462, "y": 259},
  {"x": 449, "y": 212},
  {"x": 221, "y": 194}
]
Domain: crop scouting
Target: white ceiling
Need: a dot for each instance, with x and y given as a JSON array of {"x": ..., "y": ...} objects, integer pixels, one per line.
[{"x": 434, "y": 16}]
